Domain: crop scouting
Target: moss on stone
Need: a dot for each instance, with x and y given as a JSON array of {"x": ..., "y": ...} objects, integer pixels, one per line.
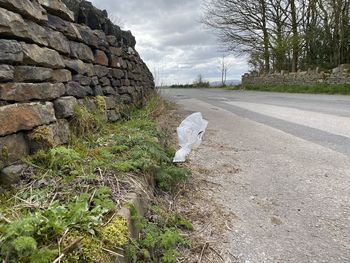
[
  {"x": 116, "y": 233},
  {"x": 4, "y": 153},
  {"x": 43, "y": 134}
]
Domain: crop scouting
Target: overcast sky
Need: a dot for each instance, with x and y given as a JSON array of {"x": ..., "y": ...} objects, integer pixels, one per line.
[{"x": 171, "y": 40}]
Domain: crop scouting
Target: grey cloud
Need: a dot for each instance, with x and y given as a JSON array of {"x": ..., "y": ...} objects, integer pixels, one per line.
[{"x": 170, "y": 39}]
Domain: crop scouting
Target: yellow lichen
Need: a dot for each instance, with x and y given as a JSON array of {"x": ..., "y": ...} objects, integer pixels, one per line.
[
  {"x": 4, "y": 153},
  {"x": 90, "y": 250},
  {"x": 116, "y": 233},
  {"x": 100, "y": 103},
  {"x": 43, "y": 134}
]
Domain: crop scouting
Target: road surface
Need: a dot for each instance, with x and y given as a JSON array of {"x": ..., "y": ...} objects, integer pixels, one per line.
[{"x": 291, "y": 197}]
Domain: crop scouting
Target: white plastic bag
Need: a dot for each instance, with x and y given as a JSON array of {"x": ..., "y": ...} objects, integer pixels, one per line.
[{"x": 190, "y": 133}]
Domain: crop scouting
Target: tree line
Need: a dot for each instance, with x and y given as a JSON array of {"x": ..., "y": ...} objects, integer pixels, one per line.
[{"x": 283, "y": 34}]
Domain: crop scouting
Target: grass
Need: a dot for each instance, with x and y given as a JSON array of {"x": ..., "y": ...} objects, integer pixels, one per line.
[
  {"x": 66, "y": 206},
  {"x": 343, "y": 89}
]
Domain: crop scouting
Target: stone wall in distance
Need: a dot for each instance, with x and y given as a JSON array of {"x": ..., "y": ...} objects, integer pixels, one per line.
[
  {"x": 53, "y": 58},
  {"x": 339, "y": 75}
]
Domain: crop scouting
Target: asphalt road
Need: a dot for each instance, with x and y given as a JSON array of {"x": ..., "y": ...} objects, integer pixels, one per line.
[{"x": 291, "y": 198}]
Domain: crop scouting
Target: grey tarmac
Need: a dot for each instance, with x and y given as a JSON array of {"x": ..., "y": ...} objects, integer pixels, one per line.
[{"x": 291, "y": 196}]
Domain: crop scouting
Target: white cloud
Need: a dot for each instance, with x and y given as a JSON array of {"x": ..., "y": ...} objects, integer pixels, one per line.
[{"x": 170, "y": 39}]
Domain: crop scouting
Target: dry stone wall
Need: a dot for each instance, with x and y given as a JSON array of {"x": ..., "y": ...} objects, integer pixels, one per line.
[
  {"x": 52, "y": 58},
  {"x": 339, "y": 75}
]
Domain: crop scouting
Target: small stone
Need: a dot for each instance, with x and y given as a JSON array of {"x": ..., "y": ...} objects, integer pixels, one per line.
[
  {"x": 101, "y": 58},
  {"x": 113, "y": 116},
  {"x": 12, "y": 147},
  {"x": 32, "y": 74},
  {"x": 6, "y": 73},
  {"x": 110, "y": 102},
  {"x": 64, "y": 107},
  {"x": 77, "y": 90},
  {"x": 61, "y": 75},
  {"x": 114, "y": 62},
  {"x": 12, "y": 174},
  {"x": 10, "y": 51}
]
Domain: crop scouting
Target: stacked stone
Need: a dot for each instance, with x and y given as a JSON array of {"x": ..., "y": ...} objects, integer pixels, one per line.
[
  {"x": 49, "y": 63},
  {"x": 339, "y": 75}
]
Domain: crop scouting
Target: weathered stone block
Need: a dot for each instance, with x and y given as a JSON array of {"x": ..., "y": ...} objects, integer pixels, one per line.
[
  {"x": 45, "y": 57},
  {"x": 12, "y": 148},
  {"x": 126, "y": 99},
  {"x": 10, "y": 51},
  {"x": 79, "y": 67},
  {"x": 6, "y": 73},
  {"x": 82, "y": 80},
  {"x": 77, "y": 90},
  {"x": 105, "y": 81},
  {"x": 89, "y": 104},
  {"x": 81, "y": 51},
  {"x": 108, "y": 90},
  {"x": 101, "y": 58},
  {"x": 113, "y": 116},
  {"x": 95, "y": 81},
  {"x": 48, "y": 136},
  {"x": 110, "y": 102},
  {"x": 112, "y": 40},
  {"x": 57, "y": 41},
  {"x": 69, "y": 29},
  {"x": 61, "y": 75},
  {"x": 29, "y": 91},
  {"x": 56, "y": 7},
  {"x": 88, "y": 35},
  {"x": 19, "y": 117},
  {"x": 117, "y": 51},
  {"x": 32, "y": 74},
  {"x": 27, "y": 8},
  {"x": 114, "y": 62},
  {"x": 97, "y": 90},
  {"x": 12, "y": 174},
  {"x": 117, "y": 73},
  {"x": 101, "y": 71},
  {"x": 64, "y": 107}
]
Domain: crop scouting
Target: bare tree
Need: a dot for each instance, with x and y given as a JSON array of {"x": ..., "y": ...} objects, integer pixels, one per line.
[
  {"x": 240, "y": 25},
  {"x": 224, "y": 67}
]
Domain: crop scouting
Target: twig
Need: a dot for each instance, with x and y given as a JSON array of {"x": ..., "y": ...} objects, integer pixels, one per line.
[
  {"x": 113, "y": 252},
  {"x": 201, "y": 255},
  {"x": 68, "y": 249},
  {"x": 217, "y": 253}
]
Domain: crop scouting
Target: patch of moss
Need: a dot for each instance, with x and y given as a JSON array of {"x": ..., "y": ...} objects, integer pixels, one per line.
[
  {"x": 116, "y": 233},
  {"x": 43, "y": 135},
  {"x": 100, "y": 103},
  {"x": 4, "y": 153}
]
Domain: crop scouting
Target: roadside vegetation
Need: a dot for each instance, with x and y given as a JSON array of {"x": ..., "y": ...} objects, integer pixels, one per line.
[
  {"x": 314, "y": 89},
  {"x": 65, "y": 208}
]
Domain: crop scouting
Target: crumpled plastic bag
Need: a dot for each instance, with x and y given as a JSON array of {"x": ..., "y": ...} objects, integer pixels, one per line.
[{"x": 190, "y": 134}]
